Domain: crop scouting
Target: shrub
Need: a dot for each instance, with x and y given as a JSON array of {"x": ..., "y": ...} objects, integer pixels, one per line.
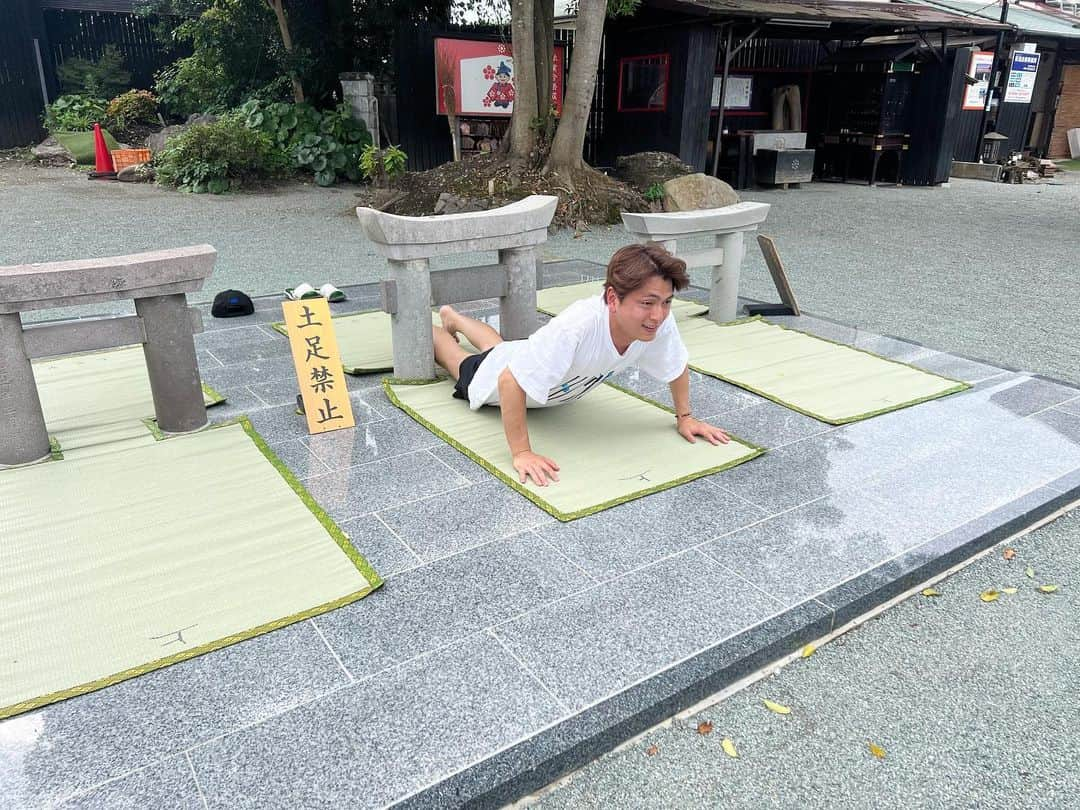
[
  {"x": 95, "y": 77},
  {"x": 382, "y": 166},
  {"x": 655, "y": 192},
  {"x": 132, "y": 107},
  {"x": 328, "y": 144},
  {"x": 193, "y": 85},
  {"x": 74, "y": 113},
  {"x": 218, "y": 157}
]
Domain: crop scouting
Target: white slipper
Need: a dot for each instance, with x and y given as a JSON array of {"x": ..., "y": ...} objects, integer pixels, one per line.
[
  {"x": 331, "y": 293},
  {"x": 301, "y": 292}
]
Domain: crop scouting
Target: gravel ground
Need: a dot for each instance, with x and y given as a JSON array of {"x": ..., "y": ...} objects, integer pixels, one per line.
[
  {"x": 986, "y": 270},
  {"x": 973, "y": 703}
]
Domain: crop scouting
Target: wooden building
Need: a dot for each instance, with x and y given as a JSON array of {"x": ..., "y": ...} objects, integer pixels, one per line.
[
  {"x": 874, "y": 85},
  {"x": 1055, "y": 105}
]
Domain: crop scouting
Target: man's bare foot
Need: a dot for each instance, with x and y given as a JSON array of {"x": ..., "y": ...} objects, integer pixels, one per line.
[{"x": 449, "y": 317}]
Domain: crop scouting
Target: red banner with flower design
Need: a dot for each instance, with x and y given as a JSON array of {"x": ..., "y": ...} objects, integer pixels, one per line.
[{"x": 476, "y": 77}]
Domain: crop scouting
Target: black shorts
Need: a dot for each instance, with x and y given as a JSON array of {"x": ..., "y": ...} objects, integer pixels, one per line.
[{"x": 466, "y": 373}]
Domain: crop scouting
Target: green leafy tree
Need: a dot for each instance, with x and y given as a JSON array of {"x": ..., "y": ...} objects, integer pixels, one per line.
[
  {"x": 362, "y": 33},
  {"x": 103, "y": 77},
  {"x": 239, "y": 48},
  {"x": 533, "y": 40},
  {"x": 274, "y": 49}
]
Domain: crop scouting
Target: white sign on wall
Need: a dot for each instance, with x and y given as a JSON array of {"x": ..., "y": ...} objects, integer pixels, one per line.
[
  {"x": 736, "y": 94},
  {"x": 1021, "y": 84}
]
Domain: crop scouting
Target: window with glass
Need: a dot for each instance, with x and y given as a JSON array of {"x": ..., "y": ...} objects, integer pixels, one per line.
[{"x": 643, "y": 83}]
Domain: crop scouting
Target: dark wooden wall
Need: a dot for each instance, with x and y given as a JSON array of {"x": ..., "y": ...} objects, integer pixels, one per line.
[
  {"x": 85, "y": 35},
  {"x": 681, "y": 128},
  {"x": 697, "y": 96},
  {"x": 21, "y": 102},
  {"x": 63, "y": 34},
  {"x": 1012, "y": 120},
  {"x": 934, "y": 119},
  {"x": 423, "y": 135}
]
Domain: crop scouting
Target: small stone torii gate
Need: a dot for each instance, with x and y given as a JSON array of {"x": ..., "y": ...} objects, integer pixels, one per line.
[
  {"x": 727, "y": 225},
  {"x": 157, "y": 281},
  {"x": 411, "y": 289}
]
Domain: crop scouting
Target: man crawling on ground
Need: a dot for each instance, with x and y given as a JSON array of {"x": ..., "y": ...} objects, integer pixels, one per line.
[{"x": 629, "y": 325}]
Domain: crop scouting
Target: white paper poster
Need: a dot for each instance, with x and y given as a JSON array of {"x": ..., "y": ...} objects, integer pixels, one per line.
[
  {"x": 736, "y": 94},
  {"x": 980, "y": 67}
]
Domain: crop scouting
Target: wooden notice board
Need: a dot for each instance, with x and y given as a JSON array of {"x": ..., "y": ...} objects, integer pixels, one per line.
[{"x": 318, "y": 365}]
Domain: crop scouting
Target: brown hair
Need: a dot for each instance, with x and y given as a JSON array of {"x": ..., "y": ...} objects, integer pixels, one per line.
[{"x": 633, "y": 265}]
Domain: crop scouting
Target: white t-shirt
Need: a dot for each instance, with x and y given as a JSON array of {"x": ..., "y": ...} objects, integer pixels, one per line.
[{"x": 572, "y": 354}]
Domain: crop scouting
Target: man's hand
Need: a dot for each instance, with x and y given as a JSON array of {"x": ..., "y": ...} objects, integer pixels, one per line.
[
  {"x": 539, "y": 468},
  {"x": 689, "y": 427}
]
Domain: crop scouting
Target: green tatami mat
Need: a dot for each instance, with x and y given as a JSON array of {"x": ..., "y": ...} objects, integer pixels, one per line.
[
  {"x": 120, "y": 564},
  {"x": 81, "y": 144},
  {"x": 611, "y": 446},
  {"x": 365, "y": 341},
  {"x": 554, "y": 300},
  {"x": 98, "y": 399},
  {"x": 828, "y": 381}
]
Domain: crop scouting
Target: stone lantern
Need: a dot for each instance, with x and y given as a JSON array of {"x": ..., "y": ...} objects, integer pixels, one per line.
[{"x": 993, "y": 144}]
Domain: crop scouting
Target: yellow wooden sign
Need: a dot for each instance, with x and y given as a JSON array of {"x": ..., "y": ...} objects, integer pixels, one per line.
[{"x": 318, "y": 365}]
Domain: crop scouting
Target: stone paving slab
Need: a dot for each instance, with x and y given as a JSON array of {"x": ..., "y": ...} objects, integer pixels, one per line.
[{"x": 507, "y": 648}]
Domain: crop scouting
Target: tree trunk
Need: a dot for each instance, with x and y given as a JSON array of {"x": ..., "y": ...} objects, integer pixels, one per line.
[
  {"x": 286, "y": 40},
  {"x": 569, "y": 143},
  {"x": 522, "y": 135},
  {"x": 543, "y": 43}
]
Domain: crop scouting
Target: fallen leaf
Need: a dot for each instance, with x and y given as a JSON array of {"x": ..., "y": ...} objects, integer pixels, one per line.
[
  {"x": 1009, "y": 553},
  {"x": 704, "y": 727},
  {"x": 1029, "y": 572},
  {"x": 729, "y": 748},
  {"x": 877, "y": 751},
  {"x": 989, "y": 596},
  {"x": 1047, "y": 588},
  {"x": 776, "y": 707},
  {"x": 808, "y": 650},
  {"x": 652, "y": 751},
  {"x": 931, "y": 592},
  {"x": 1009, "y": 591}
]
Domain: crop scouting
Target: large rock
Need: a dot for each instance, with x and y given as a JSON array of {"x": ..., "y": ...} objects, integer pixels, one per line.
[
  {"x": 453, "y": 204},
  {"x": 643, "y": 169},
  {"x": 694, "y": 192},
  {"x": 52, "y": 153},
  {"x": 136, "y": 173},
  {"x": 156, "y": 141}
]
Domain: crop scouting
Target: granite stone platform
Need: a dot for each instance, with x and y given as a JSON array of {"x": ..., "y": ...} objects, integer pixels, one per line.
[{"x": 507, "y": 648}]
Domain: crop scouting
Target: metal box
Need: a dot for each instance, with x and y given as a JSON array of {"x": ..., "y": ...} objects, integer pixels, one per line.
[
  {"x": 776, "y": 139},
  {"x": 781, "y": 166}
]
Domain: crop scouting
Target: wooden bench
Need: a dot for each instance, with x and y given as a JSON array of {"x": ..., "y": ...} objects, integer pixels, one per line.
[{"x": 157, "y": 281}]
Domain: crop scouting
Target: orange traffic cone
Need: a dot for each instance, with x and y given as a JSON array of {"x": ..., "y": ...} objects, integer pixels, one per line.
[{"x": 103, "y": 165}]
